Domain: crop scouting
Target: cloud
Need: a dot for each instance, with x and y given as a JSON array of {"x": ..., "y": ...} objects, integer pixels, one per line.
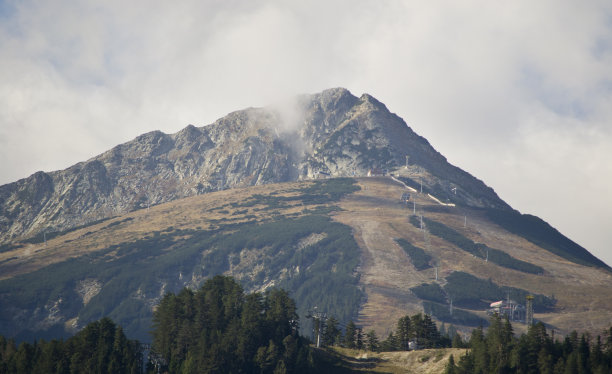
[
  {"x": 528, "y": 85},
  {"x": 563, "y": 176}
]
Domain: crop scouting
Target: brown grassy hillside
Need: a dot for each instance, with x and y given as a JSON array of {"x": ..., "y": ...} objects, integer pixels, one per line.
[{"x": 377, "y": 218}]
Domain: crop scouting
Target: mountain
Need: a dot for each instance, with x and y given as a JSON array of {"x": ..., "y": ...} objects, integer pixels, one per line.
[
  {"x": 332, "y": 132},
  {"x": 329, "y": 196}
]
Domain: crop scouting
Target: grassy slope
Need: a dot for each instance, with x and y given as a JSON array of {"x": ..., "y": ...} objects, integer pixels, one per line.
[
  {"x": 278, "y": 236},
  {"x": 377, "y": 219},
  {"x": 387, "y": 273}
]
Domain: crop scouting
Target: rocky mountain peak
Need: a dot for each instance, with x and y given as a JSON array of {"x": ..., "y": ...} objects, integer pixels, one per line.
[
  {"x": 331, "y": 133},
  {"x": 369, "y": 99},
  {"x": 333, "y": 98},
  {"x": 187, "y": 135}
]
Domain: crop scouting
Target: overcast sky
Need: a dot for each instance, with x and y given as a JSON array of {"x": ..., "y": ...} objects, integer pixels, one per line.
[{"x": 518, "y": 93}]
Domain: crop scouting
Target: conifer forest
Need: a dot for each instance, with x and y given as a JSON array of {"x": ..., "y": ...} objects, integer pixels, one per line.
[{"x": 221, "y": 329}]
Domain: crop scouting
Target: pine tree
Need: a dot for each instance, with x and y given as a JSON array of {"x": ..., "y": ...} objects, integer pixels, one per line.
[
  {"x": 466, "y": 364},
  {"x": 50, "y": 358},
  {"x": 281, "y": 315},
  {"x": 104, "y": 348},
  {"x": 165, "y": 326},
  {"x": 432, "y": 335},
  {"x": 331, "y": 333},
  {"x": 583, "y": 355},
  {"x": 118, "y": 360},
  {"x": 220, "y": 329},
  {"x": 290, "y": 352},
  {"x": 571, "y": 364},
  {"x": 404, "y": 332},
  {"x": 457, "y": 341},
  {"x": 519, "y": 355},
  {"x": 266, "y": 357},
  {"x": 251, "y": 332},
  {"x": 418, "y": 331},
  {"x": 450, "y": 366},
  {"x": 359, "y": 343},
  {"x": 350, "y": 335},
  {"x": 390, "y": 344},
  {"x": 24, "y": 358},
  {"x": 608, "y": 343},
  {"x": 497, "y": 344},
  {"x": 479, "y": 351},
  {"x": 545, "y": 362},
  {"x": 372, "y": 341}
]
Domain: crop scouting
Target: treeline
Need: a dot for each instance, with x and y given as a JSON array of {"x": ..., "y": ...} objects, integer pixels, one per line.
[
  {"x": 219, "y": 329},
  {"x": 498, "y": 351},
  {"x": 216, "y": 329},
  {"x": 101, "y": 347},
  {"x": 418, "y": 331}
]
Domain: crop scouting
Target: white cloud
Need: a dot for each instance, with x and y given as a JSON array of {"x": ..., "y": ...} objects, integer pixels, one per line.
[{"x": 518, "y": 93}]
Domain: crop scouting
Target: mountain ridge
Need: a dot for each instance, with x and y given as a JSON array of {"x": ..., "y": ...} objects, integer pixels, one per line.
[{"x": 332, "y": 132}]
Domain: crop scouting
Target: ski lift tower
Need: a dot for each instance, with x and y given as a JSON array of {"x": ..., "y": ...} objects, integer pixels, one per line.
[{"x": 318, "y": 319}]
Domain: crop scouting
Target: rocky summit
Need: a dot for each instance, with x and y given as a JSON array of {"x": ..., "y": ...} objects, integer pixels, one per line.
[{"x": 332, "y": 133}]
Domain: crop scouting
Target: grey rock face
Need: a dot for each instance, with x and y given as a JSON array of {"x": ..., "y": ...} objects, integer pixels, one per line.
[{"x": 332, "y": 132}]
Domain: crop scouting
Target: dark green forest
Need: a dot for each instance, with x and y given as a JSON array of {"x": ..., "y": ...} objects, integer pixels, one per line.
[
  {"x": 216, "y": 329},
  {"x": 101, "y": 347},
  {"x": 221, "y": 329},
  {"x": 498, "y": 350}
]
